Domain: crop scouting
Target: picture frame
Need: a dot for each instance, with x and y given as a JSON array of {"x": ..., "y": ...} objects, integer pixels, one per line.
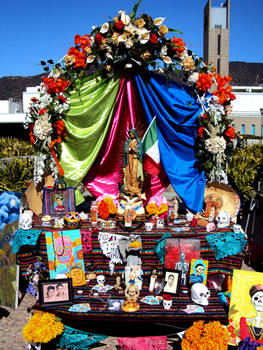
[
  {"x": 55, "y": 292},
  {"x": 115, "y": 304},
  {"x": 172, "y": 281},
  {"x": 198, "y": 271}
]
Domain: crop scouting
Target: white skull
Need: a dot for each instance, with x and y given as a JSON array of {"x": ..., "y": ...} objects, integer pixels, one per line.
[
  {"x": 257, "y": 300},
  {"x": 25, "y": 221},
  {"x": 100, "y": 280},
  {"x": 167, "y": 304},
  {"x": 223, "y": 219},
  {"x": 200, "y": 293}
]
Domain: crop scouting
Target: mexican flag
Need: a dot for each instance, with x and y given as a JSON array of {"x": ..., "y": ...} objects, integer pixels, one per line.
[{"x": 151, "y": 162}]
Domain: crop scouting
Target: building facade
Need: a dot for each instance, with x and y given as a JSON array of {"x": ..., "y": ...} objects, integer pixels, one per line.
[{"x": 216, "y": 36}]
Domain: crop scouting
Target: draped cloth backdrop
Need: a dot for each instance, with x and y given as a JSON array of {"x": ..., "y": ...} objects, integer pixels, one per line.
[{"x": 102, "y": 112}]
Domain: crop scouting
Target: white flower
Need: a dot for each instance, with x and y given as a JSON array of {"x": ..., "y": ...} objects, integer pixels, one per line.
[
  {"x": 45, "y": 100},
  {"x": 90, "y": 58},
  {"x": 42, "y": 128},
  {"x": 184, "y": 54},
  {"x": 163, "y": 51},
  {"x": 167, "y": 60},
  {"x": 193, "y": 78},
  {"x": 215, "y": 144},
  {"x": 143, "y": 34},
  {"x": 104, "y": 28},
  {"x": 93, "y": 27},
  {"x": 128, "y": 43},
  {"x": 92, "y": 40},
  {"x": 56, "y": 73},
  {"x": 125, "y": 18},
  {"x": 121, "y": 39},
  {"x": 109, "y": 55},
  {"x": 158, "y": 21},
  {"x": 130, "y": 29},
  {"x": 128, "y": 65}
]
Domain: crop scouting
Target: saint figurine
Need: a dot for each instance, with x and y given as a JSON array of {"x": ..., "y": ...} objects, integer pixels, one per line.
[{"x": 133, "y": 164}]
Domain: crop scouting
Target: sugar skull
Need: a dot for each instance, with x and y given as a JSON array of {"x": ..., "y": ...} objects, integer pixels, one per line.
[
  {"x": 223, "y": 219},
  {"x": 200, "y": 293},
  {"x": 63, "y": 249}
]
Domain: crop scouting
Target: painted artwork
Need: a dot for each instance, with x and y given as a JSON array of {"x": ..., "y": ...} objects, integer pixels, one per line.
[
  {"x": 179, "y": 253},
  {"x": 64, "y": 250},
  {"x": 198, "y": 271},
  {"x": 133, "y": 274},
  {"x": 9, "y": 220},
  {"x": 246, "y": 307},
  {"x": 59, "y": 202}
]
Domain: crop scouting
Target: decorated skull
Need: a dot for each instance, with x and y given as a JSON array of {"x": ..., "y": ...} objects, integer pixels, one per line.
[
  {"x": 223, "y": 219},
  {"x": 25, "y": 221},
  {"x": 167, "y": 302},
  {"x": 100, "y": 280},
  {"x": 200, "y": 293}
]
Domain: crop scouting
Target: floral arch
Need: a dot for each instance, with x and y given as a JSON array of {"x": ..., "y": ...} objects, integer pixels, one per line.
[{"x": 74, "y": 119}]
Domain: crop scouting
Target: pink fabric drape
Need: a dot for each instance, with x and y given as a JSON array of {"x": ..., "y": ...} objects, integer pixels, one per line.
[{"x": 106, "y": 173}]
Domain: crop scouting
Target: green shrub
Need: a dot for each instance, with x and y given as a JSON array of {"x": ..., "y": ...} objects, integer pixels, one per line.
[
  {"x": 244, "y": 166},
  {"x": 12, "y": 147}
]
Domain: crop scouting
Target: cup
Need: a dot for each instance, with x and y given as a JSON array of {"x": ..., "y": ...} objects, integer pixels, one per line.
[
  {"x": 148, "y": 226},
  {"x": 189, "y": 216},
  {"x": 160, "y": 223}
]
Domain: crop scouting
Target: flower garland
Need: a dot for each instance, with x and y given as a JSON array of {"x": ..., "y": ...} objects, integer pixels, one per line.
[
  {"x": 42, "y": 328},
  {"x": 157, "y": 205},
  {"x": 209, "y": 336},
  {"x": 130, "y": 42}
]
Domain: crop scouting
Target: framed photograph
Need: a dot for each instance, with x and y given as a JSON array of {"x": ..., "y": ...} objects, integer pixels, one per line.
[
  {"x": 198, "y": 271},
  {"x": 56, "y": 292},
  {"x": 172, "y": 281},
  {"x": 115, "y": 305}
]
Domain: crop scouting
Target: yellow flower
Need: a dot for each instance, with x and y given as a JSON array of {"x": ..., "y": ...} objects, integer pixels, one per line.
[
  {"x": 188, "y": 64},
  {"x": 163, "y": 30},
  {"x": 162, "y": 208},
  {"x": 69, "y": 60},
  {"x": 152, "y": 209},
  {"x": 140, "y": 22}
]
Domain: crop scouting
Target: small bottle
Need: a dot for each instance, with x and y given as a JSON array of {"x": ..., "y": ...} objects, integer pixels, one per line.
[
  {"x": 94, "y": 213},
  {"x": 128, "y": 216},
  {"x": 170, "y": 218}
]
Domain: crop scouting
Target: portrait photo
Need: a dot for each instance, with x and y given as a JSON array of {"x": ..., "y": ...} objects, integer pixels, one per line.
[
  {"x": 115, "y": 305},
  {"x": 56, "y": 292},
  {"x": 172, "y": 281}
]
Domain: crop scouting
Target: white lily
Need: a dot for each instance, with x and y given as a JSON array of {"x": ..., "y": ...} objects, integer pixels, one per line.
[
  {"x": 144, "y": 35},
  {"x": 128, "y": 43},
  {"x": 125, "y": 18},
  {"x": 130, "y": 29},
  {"x": 104, "y": 28},
  {"x": 158, "y": 21},
  {"x": 167, "y": 60},
  {"x": 163, "y": 51},
  {"x": 90, "y": 58},
  {"x": 92, "y": 40},
  {"x": 121, "y": 39}
]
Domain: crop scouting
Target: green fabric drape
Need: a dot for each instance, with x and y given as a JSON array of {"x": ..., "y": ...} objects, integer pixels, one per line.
[{"x": 87, "y": 123}]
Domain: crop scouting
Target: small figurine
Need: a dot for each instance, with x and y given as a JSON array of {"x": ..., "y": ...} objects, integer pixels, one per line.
[
  {"x": 118, "y": 285},
  {"x": 223, "y": 219},
  {"x": 100, "y": 280},
  {"x": 167, "y": 301},
  {"x": 132, "y": 293},
  {"x": 153, "y": 279}
]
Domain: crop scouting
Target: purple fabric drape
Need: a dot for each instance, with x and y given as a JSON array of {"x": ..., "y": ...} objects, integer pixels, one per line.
[{"x": 106, "y": 172}]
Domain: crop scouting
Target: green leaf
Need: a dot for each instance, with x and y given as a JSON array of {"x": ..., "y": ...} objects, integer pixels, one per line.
[
  {"x": 134, "y": 10},
  {"x": 174, "y": 30}
]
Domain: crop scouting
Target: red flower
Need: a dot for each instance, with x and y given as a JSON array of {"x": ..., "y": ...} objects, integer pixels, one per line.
[
  {"x": 154, "y": 39},
  {"x": 177, "y": 45},
  {"x": 204, "y": 81},
  {"x": 120, "y": 25},
  {"x": 223, "y": 94},
  {"x": 34, "y": 99},
  {"x": 83, "y": 41},
  {"x": 42, "y": 111},
  {"x": 62, "y": 99},
  {"x": 200, "y": 132},
  {"x": 99, "y": 38},
  {"x": 55, "y": 86},
  {"x": 230, "y": 132},
  {"x": 31, "y": 136},
  {"x": 205, "y": 116},
  {"x": 80, "y": 58}
]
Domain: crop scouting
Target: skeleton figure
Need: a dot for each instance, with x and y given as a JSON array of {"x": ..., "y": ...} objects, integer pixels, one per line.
[
  {"x": 223, "y": 219},
  {"x": 167, "y": 302},
  {"x": 200, "y": 293},
  {"x": 100, "y": 280},
  {"x": 182, "y": 266}
]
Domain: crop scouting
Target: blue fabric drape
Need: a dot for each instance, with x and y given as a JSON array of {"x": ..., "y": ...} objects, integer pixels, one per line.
[{"x": 176, "y": 113}]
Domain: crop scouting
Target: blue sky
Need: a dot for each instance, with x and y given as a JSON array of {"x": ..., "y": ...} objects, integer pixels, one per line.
[{"x": 33, "y": 30}]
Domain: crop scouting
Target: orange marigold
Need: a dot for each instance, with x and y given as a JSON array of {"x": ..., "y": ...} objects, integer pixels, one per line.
[
  {"x": 205, "y": 81},
  {"x": 103, "y": 210},
  {"x": 82, "y": 41},
  {"x": 79, "y": 57},
  {"x": 223, "y": 93},
  {"x": 178, "y": 45},
  {"x": 152, "y": 209},
  {"x": 230, "y": 132},
  {"x": 55, "y": 86}
]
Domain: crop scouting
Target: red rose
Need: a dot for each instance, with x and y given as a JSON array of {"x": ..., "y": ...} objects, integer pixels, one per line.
[
  {"x": 205, "y": 116},
  {"x": 120, "y": 25},
  {"x": 200, "y": 132},
  {"x": 42, "y": 111},
  {"x": 154, "y": 39},
  {"x": 99, "y": 38}
]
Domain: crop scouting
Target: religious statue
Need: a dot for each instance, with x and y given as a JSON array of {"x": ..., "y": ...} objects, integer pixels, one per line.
[{"x": 133, "y": 164}]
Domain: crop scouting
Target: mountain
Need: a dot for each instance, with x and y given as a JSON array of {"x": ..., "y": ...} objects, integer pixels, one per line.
[{"x": 243, "y": 73}]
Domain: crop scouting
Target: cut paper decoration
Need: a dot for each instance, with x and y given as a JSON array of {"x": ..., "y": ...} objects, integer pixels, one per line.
[
  {"x": 25, "y": 237},
  {"x": 80, "y": 308},
  {"x": 159, "y": 249},
  {"x": 191, "y": 309},
  {"x": 102, "y": 289},
  {"x": 246, "y": 302},
  {"x": 9, "y": 220},
  {"x": 109, "y": 244},
  {"x": 226, "y": 243},
  {"x": 152, "y": 300},
  {"x": 143, "y": 343},
  {"x": 64, "y": 252},
  {"x": 86, "y": 241}
]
